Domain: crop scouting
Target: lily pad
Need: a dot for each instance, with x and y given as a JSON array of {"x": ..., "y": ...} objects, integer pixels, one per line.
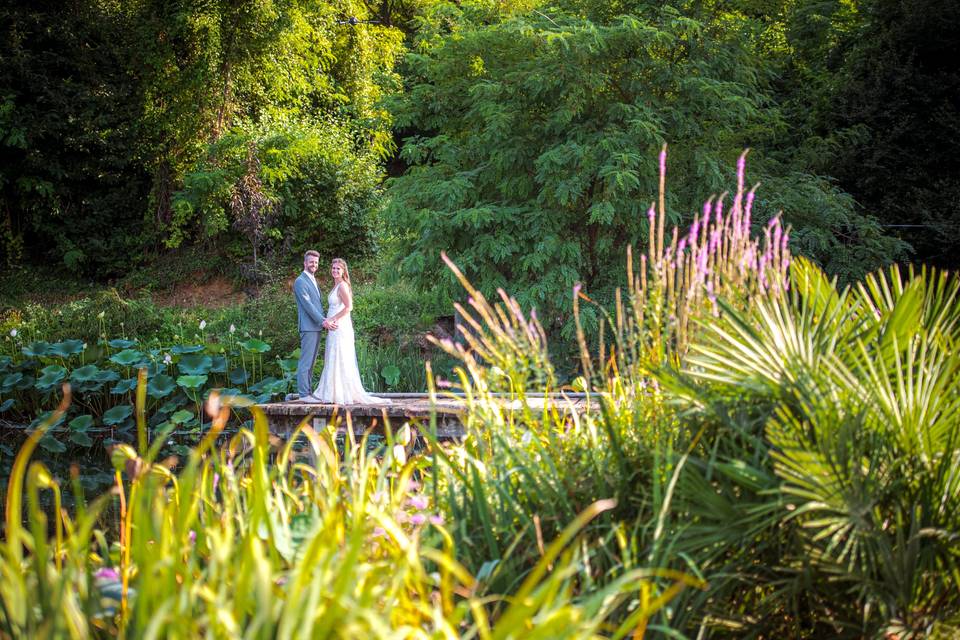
[
  {"x": 51, "y": 444},
  {"x": 81, "y": 423},
  {"x": 124, "y": 386},
  {"x": 170, "y": 405},
  {"x": 43, "y": 417},
  {"x": 117, "y": 414},
  {"x": 237, "y": 376},
  {"x": 195, "y": 364},
  {"x": 6, "y": 404},
  {"x": 391, "y": 374},
  {"x": 127, "y": 357},
  {"x": 86, "y": 373},
  {"x": 10, "y": 381},
  {"x": 255, "y": 346},
  {"x": 5, "y": 363},
  {"x": 191, "y": 382},
  {"x": 81, "y": 438},
  {"x": 160, "y": 386},
  {"x": 181, "y": 349},
  {"x": 181, "y": 417},
  {"x": 37, "y": 349},
  {"x": 51, "y": 377},
  {"x": 288, "y": 365},
  {"x": 107, "y": 376},
  {"x": 67, "y": 348},
  {"x": 122, "y": 343},
  {"x": 219, "y": 365}
]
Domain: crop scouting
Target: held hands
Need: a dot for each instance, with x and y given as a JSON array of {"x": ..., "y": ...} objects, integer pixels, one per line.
[{"x": 330, "y": 325}]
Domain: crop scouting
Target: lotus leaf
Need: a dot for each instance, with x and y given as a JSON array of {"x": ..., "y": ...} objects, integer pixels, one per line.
[
  {"x": 191, "y": 382},
  {"x": 52, "y": 376},
  {"x": 391, "y": 374},
  {"x": 51, "y": 444},
  {"x": 170, "y": 405},
  {"x": 54, "y": 369},
  {"x": 255, "y": 346},
  {"x": 181, "y": 349},
  {"x": 288, "y": 365},
  {"x": 127, "y": 357},
  {"x": 43, "y": 417},
  {"x": 67, "y": 348},
  {"x": 81, "y": 423},
  {"x": 195, "y": 364},
  {"x": 181, "y": 417},
  {"x": 107, "y": 376},
  {"x": 155, "y": 368},
  {"x": 160, "y": 386},
  {"x": 219, "y": 365},
  {"x": 237, "y": 376},
  {"x": 275, "y": 387},
  {"x": 117, "y": 414},
  {"x": 80, "y": 438},
  {"x": 37, "y": 349},
  {"x": 124, "y": 386},
  {"x": 10, "y": 381},
  {"x": 86, "y": 373},
  {"x": 6, "y": 404},
  {"x": 264, "y": 384},
  {"x": 5, "y": 362},
  {"x": 215, "y": 347},
  {"x": 121, "y": 343},
  {"x": 236, "y": 398}
]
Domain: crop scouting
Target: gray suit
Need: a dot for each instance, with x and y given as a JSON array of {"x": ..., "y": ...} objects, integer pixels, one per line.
[{"x": 310, "y": 317}]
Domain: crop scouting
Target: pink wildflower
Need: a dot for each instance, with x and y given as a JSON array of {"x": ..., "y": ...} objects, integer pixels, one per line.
[
  {"x": 417, "y": 519},
  {"x": 436, "y": 519},
  {"x": 417, "y": 502}
]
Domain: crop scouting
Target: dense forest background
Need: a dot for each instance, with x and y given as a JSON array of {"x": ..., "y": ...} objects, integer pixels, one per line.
[{"x": 521, "y": 136}]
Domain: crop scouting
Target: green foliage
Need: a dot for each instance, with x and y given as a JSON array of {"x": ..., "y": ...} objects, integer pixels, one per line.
[
  {"x": 106, "y": 109},
  {"x": 259, "y": 541},
  {"x": 532, "y": 147},
  {"x": 799, "y": 455},
  {"x": 326, "y": 191}
]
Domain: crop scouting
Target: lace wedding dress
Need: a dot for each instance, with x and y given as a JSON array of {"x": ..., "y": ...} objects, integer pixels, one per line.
[{"x": 340, "y": 381}]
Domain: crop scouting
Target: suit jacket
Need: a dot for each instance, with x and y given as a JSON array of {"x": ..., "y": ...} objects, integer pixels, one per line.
[{"x": 309, "y": 304}]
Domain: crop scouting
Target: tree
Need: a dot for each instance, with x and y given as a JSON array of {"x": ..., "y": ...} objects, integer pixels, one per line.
[{"x": 534, "y": 157}]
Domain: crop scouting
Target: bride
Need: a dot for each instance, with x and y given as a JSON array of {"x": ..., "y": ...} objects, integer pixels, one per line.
[{"x": 340, "y": 381}]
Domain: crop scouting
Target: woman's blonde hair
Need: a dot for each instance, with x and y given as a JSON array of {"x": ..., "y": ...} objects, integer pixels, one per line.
[{"x": 346, "y": 271}]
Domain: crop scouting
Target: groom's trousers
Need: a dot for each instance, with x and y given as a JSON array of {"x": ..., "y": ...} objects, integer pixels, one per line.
[{"x": 309, "y": 347}]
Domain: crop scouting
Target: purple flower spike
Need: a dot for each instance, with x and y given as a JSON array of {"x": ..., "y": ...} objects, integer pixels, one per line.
[
  {"x": 651, "y": 214},
  {"x": 576, "y": 289},
  {"x": 681, "y": 246},
  {"x": 663, "y": 161},
  {"x": 107, "y": 574},
  {"x": 216, "y": 481},
  {"x": 192, "y": 536},
  {"x": 746, "y": 212},
  {"x": 417, "y": 502},
  {"x": 417, "y": 519}
]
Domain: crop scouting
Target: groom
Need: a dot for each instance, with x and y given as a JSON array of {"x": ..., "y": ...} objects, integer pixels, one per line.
[{"x": 311, "y": 320}]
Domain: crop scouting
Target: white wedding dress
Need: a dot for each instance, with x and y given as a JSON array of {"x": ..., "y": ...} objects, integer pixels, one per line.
[{"x": 340, "y": 381}]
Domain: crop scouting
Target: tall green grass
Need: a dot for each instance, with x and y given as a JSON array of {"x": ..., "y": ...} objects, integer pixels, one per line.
[{"x": 261, "y": 539}]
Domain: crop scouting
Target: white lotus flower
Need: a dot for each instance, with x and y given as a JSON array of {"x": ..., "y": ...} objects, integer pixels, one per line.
[
  {"x": 203, "y": 325},
  {"x": 13, "y": 333},
  {"x": 232, "y": 329}
]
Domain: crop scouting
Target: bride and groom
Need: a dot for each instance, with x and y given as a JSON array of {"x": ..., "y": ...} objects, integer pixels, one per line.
[{"x": 340, "y": 380}]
